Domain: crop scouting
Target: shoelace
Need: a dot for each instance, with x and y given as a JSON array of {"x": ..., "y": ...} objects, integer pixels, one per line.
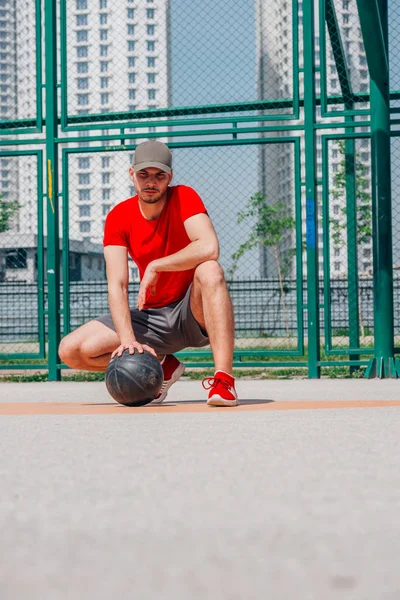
[{"x": 210, "y": 382}]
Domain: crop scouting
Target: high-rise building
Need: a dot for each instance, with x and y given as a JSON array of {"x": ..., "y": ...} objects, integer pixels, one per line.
[
  {"x": 275, "y": 82},
  {"x": 117, "y": 59}
]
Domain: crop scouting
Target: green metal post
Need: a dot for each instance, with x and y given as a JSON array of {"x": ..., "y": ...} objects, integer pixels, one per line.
[
  {"x": 53, "y": 250},
  {"x": 352, "y": 250},
  {"x": 350, "y": 174},
  {"x": 311, "y": 191},
  {"x": 374, "y": 17}
]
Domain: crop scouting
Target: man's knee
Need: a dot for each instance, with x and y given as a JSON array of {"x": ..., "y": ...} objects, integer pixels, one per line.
[
  {"x": 69, "y": 351},
  {"x": 209, "y": 273}
]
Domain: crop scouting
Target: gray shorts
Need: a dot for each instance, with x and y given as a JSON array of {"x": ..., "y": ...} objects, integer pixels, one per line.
[{"x": 167, "y": 329}]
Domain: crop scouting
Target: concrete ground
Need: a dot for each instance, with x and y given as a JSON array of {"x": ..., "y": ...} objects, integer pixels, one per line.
[{"x": 294, "y": 495}]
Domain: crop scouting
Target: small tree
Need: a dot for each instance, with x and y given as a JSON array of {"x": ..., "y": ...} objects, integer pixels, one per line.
[
  {"x": 8, "y": 208},
  {"x": 271, "y": 225},
  {"x": 363, "y": 204}
]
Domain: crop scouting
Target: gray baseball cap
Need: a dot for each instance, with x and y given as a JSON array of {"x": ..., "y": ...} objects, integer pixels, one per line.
[{"x": 152, "y": 154}]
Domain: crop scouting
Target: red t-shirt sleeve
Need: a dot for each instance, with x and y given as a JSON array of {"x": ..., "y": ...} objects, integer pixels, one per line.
[
  {"x": 114, "y": 233},
  {"x": 190, "y": 202}
]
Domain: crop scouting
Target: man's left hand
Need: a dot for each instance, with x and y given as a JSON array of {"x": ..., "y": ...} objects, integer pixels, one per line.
[{"x": 148, "y": 284}]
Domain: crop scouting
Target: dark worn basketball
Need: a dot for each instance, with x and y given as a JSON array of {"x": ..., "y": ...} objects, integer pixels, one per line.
[{"x": 134, "y": 379}]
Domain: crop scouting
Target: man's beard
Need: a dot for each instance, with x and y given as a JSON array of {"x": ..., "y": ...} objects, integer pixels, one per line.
[
  {"x": 154, "y": 198},
  {"x": 151, "y": 200}
]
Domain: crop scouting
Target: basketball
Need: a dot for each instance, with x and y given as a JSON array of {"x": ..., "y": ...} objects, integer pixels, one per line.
[{"x": 134, "y": 379}]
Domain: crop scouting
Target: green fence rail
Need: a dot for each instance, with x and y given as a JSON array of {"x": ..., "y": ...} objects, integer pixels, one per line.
[{"x": 288, "y": 102}]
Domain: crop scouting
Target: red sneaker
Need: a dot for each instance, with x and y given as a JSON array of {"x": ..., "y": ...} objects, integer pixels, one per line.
[
  {"x": 222, "y": 390},
  {"x": 172, "y": 369}
]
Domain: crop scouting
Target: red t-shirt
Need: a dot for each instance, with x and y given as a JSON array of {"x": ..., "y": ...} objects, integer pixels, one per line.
[{"x": 149, "y": 240}]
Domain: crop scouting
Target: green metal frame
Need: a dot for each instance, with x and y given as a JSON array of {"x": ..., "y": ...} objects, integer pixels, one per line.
[
  {"x": 239, "y": 354},
  {"x": 374, "y": 25},
  {"x": 40, "y": 260},
  {"x": 20, "y": 126},
  {"x": 67, "y": 121},
  {"x": 354, "y": 348},
  {"x": 328, "y": 19},
  {"x": 222, "y": 125}
]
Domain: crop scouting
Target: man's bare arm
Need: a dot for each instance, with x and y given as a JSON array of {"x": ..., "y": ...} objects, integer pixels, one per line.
[
  {"x": 118, "y": 280},
  {"x": 203, "y": 246}
]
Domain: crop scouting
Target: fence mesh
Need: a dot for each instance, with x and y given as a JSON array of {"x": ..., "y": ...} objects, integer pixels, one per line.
[
  {"x": 345, "y": 69},
  {"x": 18, "y": 61},
  {"x": 19, "y": 254},
  {"x": 151, "y": 55},
  {"x": 136, "y": 56}
]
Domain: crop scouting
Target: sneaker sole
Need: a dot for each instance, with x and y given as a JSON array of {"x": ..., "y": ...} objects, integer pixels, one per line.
[
  {"x": 219, "y": 401},
  {"x": 175, "y": 376}
]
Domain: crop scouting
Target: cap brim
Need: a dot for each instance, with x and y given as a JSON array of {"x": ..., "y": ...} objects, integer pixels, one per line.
[{"x": 156, "y": 165}]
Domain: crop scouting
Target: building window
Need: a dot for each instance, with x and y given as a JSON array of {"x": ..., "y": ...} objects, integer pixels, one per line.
[
  {"x": 103, "y": 35},
  {"x": 131, "y": 61},
  {"x": 106, "y": 194},
  {"x": 104, "y": 82},
  {"x": 131, "y": 29},
  {"x": 105, "y": 162},
  {"x": 83, "y": 99},
  {"x": 132, "y": 107},
  {"x": 82, "y": 51},
  {"x": 132, "y": 77},
  {"x": 103, "y": 18},
  {"x": 131, "y": 13},
  {"x": 337, "y": 266},
  {"x": 84, "y": 227},
  {"x": 17, "y": 258},
  {"x": 103, "y": 4},
  {"x": 84, "y": 162},
  {"x": 83, "y": 67},
  {"x": 336, "y": 209},
  {"x": 150, "y": 13},
  {"x": 104, "y": 98},
  {"x": 151, "y": 61},
  {"x": 81, "y": 20},
  {"x": 337, "y": 252},
  {"x": 103, "y": 50},
  {"x": 84, "y": 210},
  {"x": 132, "y": 94},
  {"x": 151, "y": 46},
  {"x": 84, "y": 178},
  {"x": 131, "y": 45},
  {"x": 104, "y": 66},
  {"x": 106, "y": 209},
  {"x": 151, "y": 29},
  {"x": 84, "y": 195},
  {"x": 83, "y": 83},
  {"x": 105, "y": 178},
  {"x": 151, "y": 77},
  {"x": 151, "y": 94},
  {"x": 81, "y": 4},
  {"x": 82, "y": 35}
]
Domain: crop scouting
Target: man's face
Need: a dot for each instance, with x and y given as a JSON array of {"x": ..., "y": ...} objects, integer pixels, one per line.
[{"x": 150, "y": 184}]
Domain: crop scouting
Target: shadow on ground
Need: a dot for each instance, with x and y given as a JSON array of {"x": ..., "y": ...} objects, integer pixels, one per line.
[{"x": 167, "y": 404}]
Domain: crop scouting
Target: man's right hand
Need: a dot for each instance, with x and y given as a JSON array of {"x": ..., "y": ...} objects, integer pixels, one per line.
[{"x": 133, "y": 345}]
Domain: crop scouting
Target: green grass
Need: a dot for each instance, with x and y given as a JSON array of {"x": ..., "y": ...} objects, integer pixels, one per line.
[{"x": 199, "y": 374}]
